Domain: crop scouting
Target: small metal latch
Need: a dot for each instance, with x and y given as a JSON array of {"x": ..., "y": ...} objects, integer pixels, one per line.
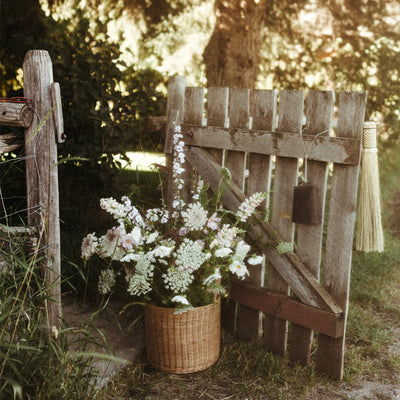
[{"x": 58, "y": 115}]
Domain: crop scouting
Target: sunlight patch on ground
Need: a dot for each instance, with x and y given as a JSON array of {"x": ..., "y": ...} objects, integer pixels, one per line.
[{"x": 140, "y": 160}]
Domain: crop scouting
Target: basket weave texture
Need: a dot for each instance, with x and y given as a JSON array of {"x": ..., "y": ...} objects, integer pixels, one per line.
[{"x": 182, "y": 343}]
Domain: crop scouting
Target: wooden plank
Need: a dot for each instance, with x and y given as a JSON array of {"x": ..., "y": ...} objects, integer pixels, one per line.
[
  {"x": 285, "y": 144},
  {"x": 217, "y": 116},
  {"x": 15, "y": 114},
  {"x": 287, "y": 308},
  {"x": 10, "y": 142},
  {"x": 319, "y": 109},
  {"x": 235, "y": 161},
  {"x": 339, "y": 241},
  {"x": 250, "y": 322},
  {"x": 193, "y": 114},
  {"x": 285, "y": 178},
  {"x": 303, "y": 283},
  {"x": 42, "y": 172}
]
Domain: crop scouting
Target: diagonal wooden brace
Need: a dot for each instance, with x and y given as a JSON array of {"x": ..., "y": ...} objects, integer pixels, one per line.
[{"x": 288, "y": 265}]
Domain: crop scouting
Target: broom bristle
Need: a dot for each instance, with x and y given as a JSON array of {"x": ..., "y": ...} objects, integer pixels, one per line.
[{"x": 369, "y": 226}]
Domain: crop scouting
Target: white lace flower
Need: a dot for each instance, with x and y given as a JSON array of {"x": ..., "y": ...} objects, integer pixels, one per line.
[
  {"x": 239, "y": 269},
  {"x": 195, "y": 217},
  {"x": 89, "y": 244},
  {"x": 242, "y": 249},
  {"x": 213, "y": 277},
  {"x": 177, "y": 280},
  {"x": 144, "y": 265},
  {"x": 190, "y": 255},
  {"x": 180, "y": 299},
  {"x": 162, "y": 251},
  {"x": 130, "y": 257},
  {"x": 152, "y": 237},
  {"x": 225, "y": 251},
  {"x": 255, "y": 260},
  {"x": 106, "y": 281},
  {"x": 139, "y": 285}
]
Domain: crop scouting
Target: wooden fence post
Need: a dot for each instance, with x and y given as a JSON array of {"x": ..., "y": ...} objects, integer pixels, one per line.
[
  {"x": 42, "y": 172},
  {"x": 175, "y": 110}
]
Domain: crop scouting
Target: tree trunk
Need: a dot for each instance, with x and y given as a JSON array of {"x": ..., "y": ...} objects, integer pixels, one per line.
[{"x": 232, "y": 54}]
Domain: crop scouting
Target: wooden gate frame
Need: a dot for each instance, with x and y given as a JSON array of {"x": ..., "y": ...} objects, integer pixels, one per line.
[
  {"x": 42, "y": 119},
  {"x": 294, "y": 289}
]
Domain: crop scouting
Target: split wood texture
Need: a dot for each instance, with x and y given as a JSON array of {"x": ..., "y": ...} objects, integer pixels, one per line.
[
  {"x": 263, "y": 152},
  {"x": 40, "y": 122},
  {"x": 42, "y": 171}
]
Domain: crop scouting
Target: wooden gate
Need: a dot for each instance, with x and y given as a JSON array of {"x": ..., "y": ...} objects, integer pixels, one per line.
[
  {"x": 306, "y": 289},
  {"x": 39, "y": 112}
]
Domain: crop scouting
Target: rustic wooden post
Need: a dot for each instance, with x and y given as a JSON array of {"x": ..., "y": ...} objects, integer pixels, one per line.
[
  {"x": 250, "y": 321},
  {"x": 339, "y": 240},
  {"x": 42, "y": 172},
  {"x": 286, "y": 175},
  {"x": 175, "y": 111},
  {"x": 319, "y": 109}
]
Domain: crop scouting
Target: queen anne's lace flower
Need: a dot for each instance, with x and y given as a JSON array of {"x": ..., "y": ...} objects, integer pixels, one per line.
[
  {"x": 139, "y": 285},
  {"x": 144, "y": 265},
  {"x": 89, "y": 245},
  {"x": 106, "y": 281},
  {"x": 177, "y": 280},
  {"x": 195, "y": 217},
  {"x": 190, "y": 255}
]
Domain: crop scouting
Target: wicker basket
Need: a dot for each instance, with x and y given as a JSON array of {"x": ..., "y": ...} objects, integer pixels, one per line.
[{"x": 182, "y": 343}]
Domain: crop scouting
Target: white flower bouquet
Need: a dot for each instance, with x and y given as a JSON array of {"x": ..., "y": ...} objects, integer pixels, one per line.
[{"x": 181, "y": 258}]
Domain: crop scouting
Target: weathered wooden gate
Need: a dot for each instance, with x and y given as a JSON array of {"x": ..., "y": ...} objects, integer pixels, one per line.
[
  {"x": 308, "y": 287},
  {"x": 41, "y": 115}
]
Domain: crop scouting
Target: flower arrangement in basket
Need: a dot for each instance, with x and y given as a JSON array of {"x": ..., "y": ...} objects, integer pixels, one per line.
[{"x": 182, "y": 258}]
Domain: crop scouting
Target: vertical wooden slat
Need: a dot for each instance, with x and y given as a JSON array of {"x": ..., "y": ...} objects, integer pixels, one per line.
[
  {"x": 235, "y": 161},
  {"x": 175, "y": 111},
  {"x": 193, "y": 115},
  {"x": 217, "y": 114},
  {"x": 42, "y": 172},
  {"x": 342, "y": 214},
  {"x": 319, "y": 108},
  {"x": 285, "y": 178},
  {"x": 249, "y": 324}
]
